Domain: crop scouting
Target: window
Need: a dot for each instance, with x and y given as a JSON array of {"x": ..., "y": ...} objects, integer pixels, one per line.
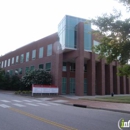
[
  {"x": 33, "y": 54},
  {"x": 20, "y": 70},
  {"x": 41, "y": 66},
  {"x": 2, "y": 64},
  {"x": 11, "y": 72},
  {"x": 27, "y": 69},
  {"x": 64, "y": 66},
  {"x": 41, "y": 50},
  {"x": 85, "y": 67},
  {"x": 72, "y": 67},
  {"x": 16, "y": 71},
  {"x": 17, "y": 59},
  {"x": 8, "y": 62},
  {"x": 12, "y": 60},
  {"x": 27, "y": 56},
  {"x": 8, "y": 71},
  {"x": 48, "y": 66},
  {"x": 5, "y": 63},
  {"x": 32, "y": 68},
  {"x": 49, "y": 50},
  {"x": 22, "y": 58}
]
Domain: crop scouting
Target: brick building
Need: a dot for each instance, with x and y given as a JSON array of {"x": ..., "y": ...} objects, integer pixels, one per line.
[{"x": 67, "y": 55}]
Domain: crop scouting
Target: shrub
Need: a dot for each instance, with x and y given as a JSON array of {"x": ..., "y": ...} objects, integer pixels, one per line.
[{"x": 36, "y": 77}]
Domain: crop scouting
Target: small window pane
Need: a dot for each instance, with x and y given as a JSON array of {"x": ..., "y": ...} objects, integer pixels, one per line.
[
  {"x": 27, "y": 69},
  {"x": 22, "y": 58},
  {"x": 27, "y": 56},
  {"x": 32, "y": 68},
  {"x": 2, "y": 64},
  {"x": 5, "y": 63},
  {"x": 41, "y": 66},
  {"x": 72, "y": 67},
  {"x": 8, "y": 62},
  {"x": 12, "y": 60},
  {"x": 17, "y": 59},
  {"x": 20, "y": 70},
  {"x": 64, "y": 66},
  {"x": 33, "y": 54},
  {"x": 49, "y": 50},
  {"x": 41, "y": 50},
  {"x": 48, "y": 66}
]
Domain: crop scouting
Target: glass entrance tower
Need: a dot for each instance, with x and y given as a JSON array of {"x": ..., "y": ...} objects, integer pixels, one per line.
[{"x": 67, "y": 33}]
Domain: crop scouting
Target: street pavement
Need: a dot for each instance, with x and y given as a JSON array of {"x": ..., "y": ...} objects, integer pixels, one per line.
[{"x": 52, "y": 113}]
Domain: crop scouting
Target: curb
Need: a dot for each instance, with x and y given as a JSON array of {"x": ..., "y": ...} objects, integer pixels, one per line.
[{"x": 89, "y": 107}]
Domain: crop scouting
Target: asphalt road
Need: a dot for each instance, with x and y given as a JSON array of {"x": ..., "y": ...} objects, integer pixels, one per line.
[{"x": 27, "y": 113}]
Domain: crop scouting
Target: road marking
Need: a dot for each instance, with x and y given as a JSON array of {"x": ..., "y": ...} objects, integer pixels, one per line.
[
  {"x": 42, "y": 119},
  {"x": 4, "y": 100},
  {"x": 27, "y": 100},
  {"x": 60, "y": 101},
  {"x": 54, "y": 104},
  {"x": 32, "y": 104},
  {"x": 17, "y": 101},
  {"x": 4, "y": 106},
  {"x": 19, "y": 105},
  {"x": 36, "y": 100},
  {"x": 43, "y": 104}
]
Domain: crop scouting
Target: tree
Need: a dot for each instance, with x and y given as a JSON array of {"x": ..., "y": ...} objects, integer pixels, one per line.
[
  {"x": 116, "y": 38},
  {"x": 36, "y": 77},
  {"x": 115, "y": 41},
  {"x": 126, "y": 3}
]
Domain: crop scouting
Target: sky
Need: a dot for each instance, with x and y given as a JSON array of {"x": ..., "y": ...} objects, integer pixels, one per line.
[{"x": 25, "y": 21}]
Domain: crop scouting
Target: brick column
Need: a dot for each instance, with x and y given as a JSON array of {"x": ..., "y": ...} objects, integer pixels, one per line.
[
  {"x": 109, "y": 79},
  {"x": 91, "y": 75},
  {"x": 79, "y": 61},
  {"x": 123, "y": 84},
  {"x": 128, "y": 85},
  {"x": 68, "y": 78},
  {"x": 100, "y": 78},
  {"x": 58, "y": 71},
  {"x": 116, "y": 80}
]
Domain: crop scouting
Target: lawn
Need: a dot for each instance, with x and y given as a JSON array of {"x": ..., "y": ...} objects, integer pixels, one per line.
[{"x": 117, "y": 99}]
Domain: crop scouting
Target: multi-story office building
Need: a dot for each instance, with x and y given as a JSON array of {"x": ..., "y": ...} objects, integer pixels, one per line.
[{"x": 67, "y": 55}]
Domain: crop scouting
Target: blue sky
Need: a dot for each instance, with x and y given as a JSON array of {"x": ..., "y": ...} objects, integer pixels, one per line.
[{"x": 24, "y": 21}]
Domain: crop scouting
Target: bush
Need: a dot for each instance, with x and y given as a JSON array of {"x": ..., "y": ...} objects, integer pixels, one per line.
[
  {"x": 36, "y": 77},
  {"x": 8, "y": 82}
]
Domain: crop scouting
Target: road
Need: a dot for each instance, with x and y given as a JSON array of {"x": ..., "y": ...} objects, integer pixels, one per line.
[{"x": 28, "y": 113}]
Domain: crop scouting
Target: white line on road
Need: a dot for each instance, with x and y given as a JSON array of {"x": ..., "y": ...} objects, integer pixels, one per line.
[
  {"x": 4, "y": 106},
  {"x": 27, "y": 100},
  {"x": 32, "y": 104},
  {"x": 54, "y": 104},
  {"x": 36, "y": 100},
  {"x": 4, "y": 100},
  {"x": 17, "y": 101},
  {"x": 43, "y": 104},
  {"x": 19, "y": 105}
]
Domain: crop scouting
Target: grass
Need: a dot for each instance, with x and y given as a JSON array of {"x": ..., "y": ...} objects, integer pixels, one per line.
[{"x": 116, "y": 99}]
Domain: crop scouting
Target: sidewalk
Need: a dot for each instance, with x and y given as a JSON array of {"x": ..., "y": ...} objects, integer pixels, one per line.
[{"x": 75, "y": 101}]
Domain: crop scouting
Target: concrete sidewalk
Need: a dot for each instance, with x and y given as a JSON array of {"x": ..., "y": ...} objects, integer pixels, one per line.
[{"x": 75, "y": 101}]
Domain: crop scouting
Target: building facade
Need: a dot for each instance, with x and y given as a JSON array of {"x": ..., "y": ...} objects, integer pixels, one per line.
[{"x": 68, "y": 57}]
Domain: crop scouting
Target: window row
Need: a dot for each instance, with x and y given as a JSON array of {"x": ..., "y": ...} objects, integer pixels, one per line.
[
  {"x": 20, "y": 70},
  {"x": 21, "y": 58},
  {"x": 72, "y": 67}
]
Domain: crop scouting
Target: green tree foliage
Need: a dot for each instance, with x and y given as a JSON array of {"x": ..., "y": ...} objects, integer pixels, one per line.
[
  {"x": 36, "y": 77},
  {"x": 115, "y": 40},
  {"x": 9, "y": 82}
]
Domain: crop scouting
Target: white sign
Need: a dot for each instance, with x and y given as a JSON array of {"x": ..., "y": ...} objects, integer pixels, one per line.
[{"x": 49, "y": 89}]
